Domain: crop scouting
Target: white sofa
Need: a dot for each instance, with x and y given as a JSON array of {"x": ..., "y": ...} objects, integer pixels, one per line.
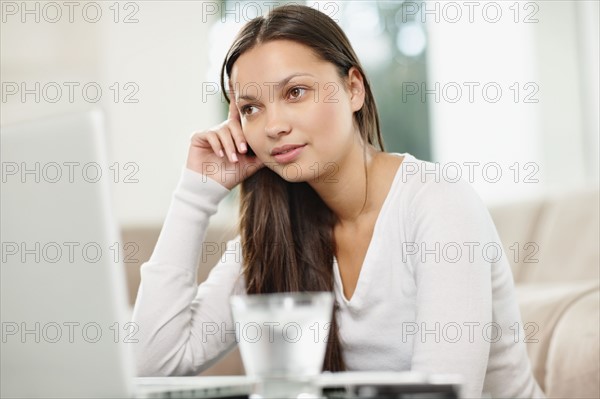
[
  {"x": 558, "y": 287},
  {"x": 556, "y": 272}
]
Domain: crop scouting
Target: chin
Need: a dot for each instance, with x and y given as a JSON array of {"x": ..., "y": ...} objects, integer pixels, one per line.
[{"x": 293, "y": 172}]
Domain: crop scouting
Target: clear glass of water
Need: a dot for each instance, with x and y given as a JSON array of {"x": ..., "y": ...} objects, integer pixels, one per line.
[{"x": 282, "y": 339}]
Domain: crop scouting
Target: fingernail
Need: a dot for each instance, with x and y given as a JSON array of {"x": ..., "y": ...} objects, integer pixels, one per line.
[
  {"x": 234, "y": 157},
  {"x": 221, "y": 153},
  {"x": 243, "y": 147}
]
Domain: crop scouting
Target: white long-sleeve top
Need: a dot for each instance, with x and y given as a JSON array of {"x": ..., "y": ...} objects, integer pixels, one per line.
[{"x": 435, "y": 293}]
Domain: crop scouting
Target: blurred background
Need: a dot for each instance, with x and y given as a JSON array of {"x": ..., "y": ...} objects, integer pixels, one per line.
[{"x": 511, "y": 86}]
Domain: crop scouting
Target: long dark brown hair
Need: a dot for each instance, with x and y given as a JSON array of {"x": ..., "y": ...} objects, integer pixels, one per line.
[{"x": 286, "y": 229}]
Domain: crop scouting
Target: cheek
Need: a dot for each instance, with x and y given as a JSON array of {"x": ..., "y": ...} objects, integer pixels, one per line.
[
  {"x": 254, "y": 139},
  {"x": 330, "y": 120}
]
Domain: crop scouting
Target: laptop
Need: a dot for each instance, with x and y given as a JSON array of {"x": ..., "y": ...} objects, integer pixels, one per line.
[{"x": 64, "y": 313}]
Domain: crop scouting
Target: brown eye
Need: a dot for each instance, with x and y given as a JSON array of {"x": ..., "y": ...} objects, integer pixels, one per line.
[
  {"x": 296, "y": 92},
  {"x": 247, "y": 108}
]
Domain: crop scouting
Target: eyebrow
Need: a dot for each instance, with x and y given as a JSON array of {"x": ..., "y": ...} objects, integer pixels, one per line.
[{"x": 282, "y": 82}]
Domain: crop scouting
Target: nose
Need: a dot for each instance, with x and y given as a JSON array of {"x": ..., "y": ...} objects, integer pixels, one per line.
[{"x": 277, "y": 123}]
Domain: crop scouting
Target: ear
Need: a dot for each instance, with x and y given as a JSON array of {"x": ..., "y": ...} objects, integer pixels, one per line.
[{"x": 356, "y": 87}]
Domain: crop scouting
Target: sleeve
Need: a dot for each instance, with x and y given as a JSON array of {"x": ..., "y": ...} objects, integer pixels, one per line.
[
  {"x": 452, "y": 230},
  {"x": 184, "y": 327}
]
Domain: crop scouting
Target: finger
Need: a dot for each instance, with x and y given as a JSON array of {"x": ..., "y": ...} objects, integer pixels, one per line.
[
  {"x": 215, "y": 144},
  {"x": 228, "y": 144},
  {"x": 238, "y": 135},
  {"x": 234, "y": 113},
  {"x": 235, "y": 124}
]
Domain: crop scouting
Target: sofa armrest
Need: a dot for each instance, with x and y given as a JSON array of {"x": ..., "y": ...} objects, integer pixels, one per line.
[
  {"x": 544, "y": 309},
  {"x": 573, "y": 365}
]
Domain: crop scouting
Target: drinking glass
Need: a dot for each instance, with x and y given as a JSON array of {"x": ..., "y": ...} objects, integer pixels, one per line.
[{"x": 282, "y": 339}]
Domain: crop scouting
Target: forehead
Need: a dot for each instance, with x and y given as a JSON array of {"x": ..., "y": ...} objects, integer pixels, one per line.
[{"x": 275, "y": 60}]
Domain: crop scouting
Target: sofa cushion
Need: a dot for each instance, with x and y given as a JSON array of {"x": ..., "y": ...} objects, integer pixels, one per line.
[
  {"x": 567, "y": 235},
  {"x": 516, "y": 224}
]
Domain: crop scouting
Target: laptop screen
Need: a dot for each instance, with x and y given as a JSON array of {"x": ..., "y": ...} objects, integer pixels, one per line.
[{"x": 64, "y": 314}]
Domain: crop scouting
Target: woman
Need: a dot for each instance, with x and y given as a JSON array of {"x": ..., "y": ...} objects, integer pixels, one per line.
[{"x": 323, "y": 207}]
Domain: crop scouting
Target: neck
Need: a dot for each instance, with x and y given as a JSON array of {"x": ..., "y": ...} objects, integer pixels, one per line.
[{"x": 345, "y": 191}]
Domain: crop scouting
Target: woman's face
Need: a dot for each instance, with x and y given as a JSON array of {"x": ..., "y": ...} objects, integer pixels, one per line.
[{"x": 287, "y": 96}]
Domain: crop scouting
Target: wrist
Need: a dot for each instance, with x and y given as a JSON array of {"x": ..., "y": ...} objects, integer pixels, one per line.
[{"x": 199, "y": 183}]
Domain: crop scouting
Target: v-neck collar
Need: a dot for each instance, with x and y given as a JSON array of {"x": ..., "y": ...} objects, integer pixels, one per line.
[{"x": 364, "y": 274}]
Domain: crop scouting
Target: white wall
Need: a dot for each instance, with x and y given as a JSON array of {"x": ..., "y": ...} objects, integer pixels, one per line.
[
  {"x": 549, "y": 134},
  {"x": 163, "y": 55},
  {"x": 588, "y": 13}
]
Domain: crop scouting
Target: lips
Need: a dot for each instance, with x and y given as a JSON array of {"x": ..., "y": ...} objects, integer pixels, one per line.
[
  {"x": 285, "y": 149},
  {"x": 288, "y": 153}
]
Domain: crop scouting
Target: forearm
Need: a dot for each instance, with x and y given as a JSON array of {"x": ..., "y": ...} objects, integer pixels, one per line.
[{"x": 163, "y": 309}]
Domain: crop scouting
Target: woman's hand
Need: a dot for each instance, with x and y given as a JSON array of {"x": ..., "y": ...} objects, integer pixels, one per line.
[{"x": 221, "y": 152}]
